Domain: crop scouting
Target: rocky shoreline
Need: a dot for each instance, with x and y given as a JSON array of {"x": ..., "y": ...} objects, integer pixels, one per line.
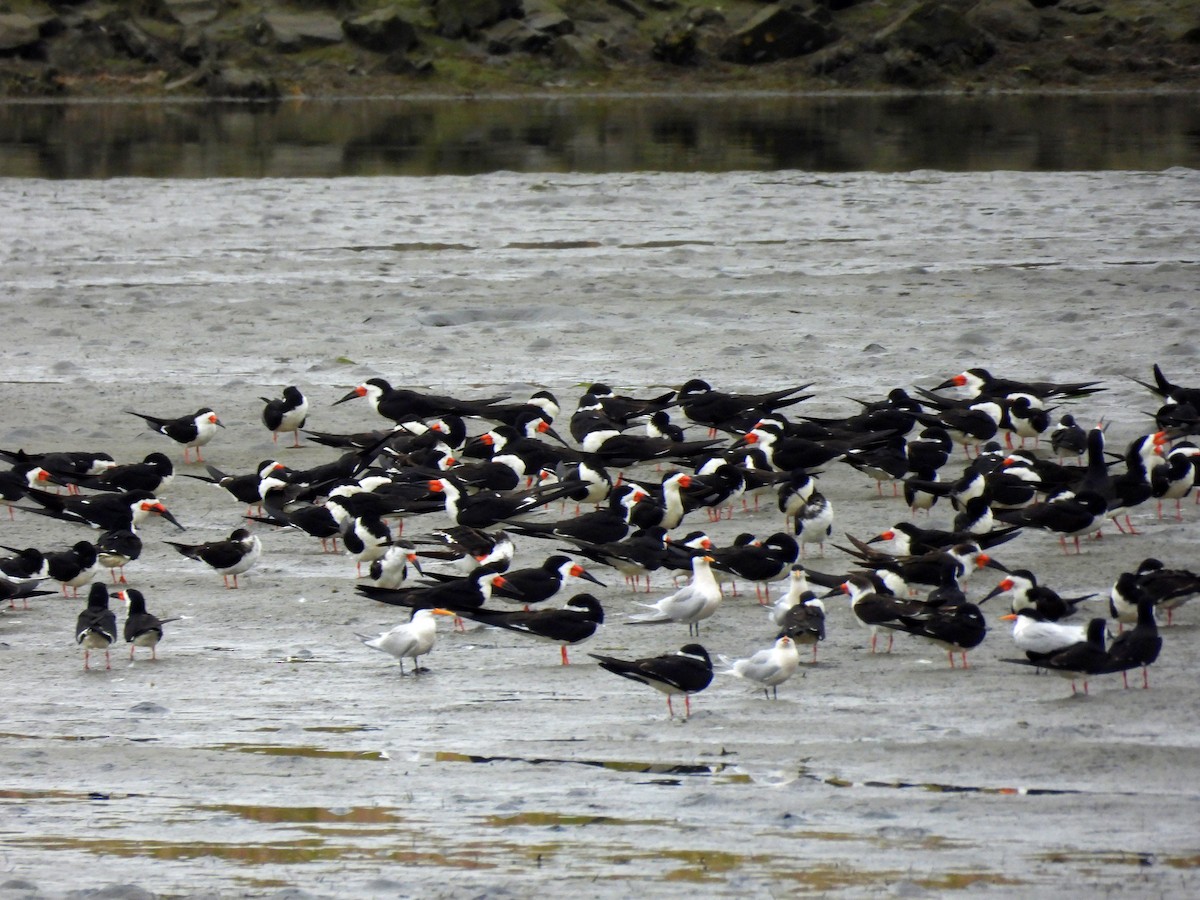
[{"x": 322, "y": 48}]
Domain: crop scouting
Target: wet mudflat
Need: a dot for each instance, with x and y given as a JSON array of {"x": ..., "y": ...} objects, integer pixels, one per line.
[{"x": 268, "y": 751}]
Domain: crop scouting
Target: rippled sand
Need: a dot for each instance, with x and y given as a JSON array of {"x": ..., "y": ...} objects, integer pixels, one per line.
[{"x": 267, "y": 751}]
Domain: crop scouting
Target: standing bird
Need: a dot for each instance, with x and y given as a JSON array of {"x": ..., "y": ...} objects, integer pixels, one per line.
[
  {"x": 768, "y": 668},
  {"x": 105, "y": 511},
  {"x": 286, "y": 413},
  {"x": 959, "y": 628},
  {"x": 412, "y": 639},
  {"x": 192, "y": 431},
  {"x": 142, "y": 628},
  {"x": 538, "y": 583},
  {"x": 1079, "y": 660},
  {"x": 1139, "y": 646},
  {"x": 73, "y": 567},
  {"x": 814, "y": 522},
  {"x": 96, "y": 627},
  {"x": 687, "y": 671},
  {"x": 230, "y": 557},
  {"x": 573, "y": 624},
  {"x": 692, "y": 603}
]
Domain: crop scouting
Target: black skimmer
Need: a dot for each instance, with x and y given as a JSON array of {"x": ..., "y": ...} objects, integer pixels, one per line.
[
  {"x": 886, "y": 462},
  {"x": 471, "y": 548},
  {"x": 1080, "y": 660},
  {"x": 190, "y": 432},
  {"x": 768, "y": 668},
  {"x": 23, "y": 564},
  {"x": 616, "y": 448},
  {"x": 15, "y": 484},
  {"x": 603, "y": 526},
  {"x": 1068, "y": 439},
  {"x": 229, "y": 557},
  {"x": 872, "y": 608},
  {"x": 1173, "y": 393},
  {"x": 537, "y": 584},
  {"x": 660, "y": 426},
  {"x": 1175, "y": 477},
  {"x": 413, "y": 639},
  {"x": 979, "y": 382},
  {"x": 957, "y": 628},
  {"x": 913, "y": 540},
  {"x": 367, "y": 539},
  {"x": 665, "y": 507},
  {"x": 691, "y": 604},
  {"x": 247, "y": 488},
  {"x": 96, "y": 627},
  {"x": 1167, "y": 588},
  {"x": 73, "y": 567},
  {"x": 142, "y": 628},
  {"x": 391, "y": 569},
  {"x": 720, "y": 410},
  {"x": 1024, "y": 417},
  {"x": 929, "y": 450},
  {"x": 624, "y": 409},
  {"x": 1139, "y": 646},
  {"x": 804, "y": 623},
  {"x": 925, "y": 569},
  {"x": 117, "y": 549},
  {"x": 108, "y": 512},
  {"x": 635, "y": 557},
  {"x": 794, "y": 494},
  {"x": 687, "y": 671},
  {"x": 486, "y": 508},
  {"x": 13, "y": 589},
  {"x": 62, "y": 466},
  {"x": 971, "y": 424},
  {"x": 794, "y": 590},
  {"x": 154, "y": 473},
  {"x": 814, "y": 523},
  {"x": 1067, "y": 516},
  {"x": 577, "y": 621},
  {"x": 469, "y": 592},
  {"x": 403, "y": 405},
  {"x": 286, "y": 413},
  {"x": 758, "y": 561},
  {"x": 592, "y": 481},
  {"x": 787, "y": 454},
  {"x": 542, "y": 403},
  {"x": 1025, "y": 592}
]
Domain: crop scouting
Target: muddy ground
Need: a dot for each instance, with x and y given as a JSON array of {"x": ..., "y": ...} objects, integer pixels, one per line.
[{"x": 266, "y": 752}]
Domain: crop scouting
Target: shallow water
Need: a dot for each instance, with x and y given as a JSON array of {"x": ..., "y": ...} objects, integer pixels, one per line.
[{"x": 422, "y": 137}]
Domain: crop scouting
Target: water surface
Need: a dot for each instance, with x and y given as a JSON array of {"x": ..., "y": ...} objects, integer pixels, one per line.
[{"x": 713, "y": 134}]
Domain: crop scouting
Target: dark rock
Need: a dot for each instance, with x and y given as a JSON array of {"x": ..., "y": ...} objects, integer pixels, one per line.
[
  {"x": 677, "y": 46},
  {"x": 383, "y": 31},
  {"x": 937, "y": 33},
  {"x": 548, "y": 18},
  {"x": 19, "y": 34},
  {"x": 1081, "y": 7},
  {"x": 242, "y": 84},
  {"x": 775, "y": 33},
  {"x": 1088, "y": 64},
  {"x": 462, "y": 18},
  {"x": 1010, "y": 20},
  {"x": 570, "y": 51},
  {"x": 514, "y": 35},
  {"x": 190, "y": 12},
  {"x": 132, "y": 40},
  {"x": 294, "y": 33},
  {"x": 628, "y": 6},
  {"x": 400, "y": 63}
]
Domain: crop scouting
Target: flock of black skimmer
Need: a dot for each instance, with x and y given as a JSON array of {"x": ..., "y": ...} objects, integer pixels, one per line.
[{"x": 431, "y": 507}]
